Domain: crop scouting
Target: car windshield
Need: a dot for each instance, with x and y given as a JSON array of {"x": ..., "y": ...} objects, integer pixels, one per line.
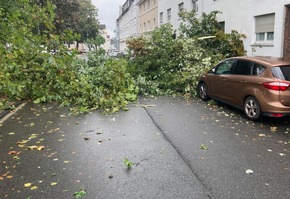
[{"x": 282, "y": 72}]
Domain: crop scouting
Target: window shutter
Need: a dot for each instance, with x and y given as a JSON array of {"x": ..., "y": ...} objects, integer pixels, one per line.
[{"x": 265, "y": 23}]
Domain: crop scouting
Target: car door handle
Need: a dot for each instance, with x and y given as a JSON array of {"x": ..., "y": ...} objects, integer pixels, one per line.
[{"x": 244, "y": 81}]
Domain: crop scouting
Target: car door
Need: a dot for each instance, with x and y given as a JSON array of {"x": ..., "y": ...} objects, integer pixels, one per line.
[
  {"x": 218, "y": 78},
  {"x": 238, "y": 83}
]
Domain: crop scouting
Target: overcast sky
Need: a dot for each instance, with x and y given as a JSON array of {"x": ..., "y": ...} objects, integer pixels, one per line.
[{"x": 108, "y": 13}]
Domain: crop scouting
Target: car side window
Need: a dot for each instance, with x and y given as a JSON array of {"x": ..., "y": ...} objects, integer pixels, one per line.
[
  {"x": 258, "y": 69},
  {"x": 243, "y": 67},
  {"x": 224, "y": 67}
]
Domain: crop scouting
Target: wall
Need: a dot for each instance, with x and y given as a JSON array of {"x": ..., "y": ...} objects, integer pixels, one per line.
[
  {"x": 127, "y": 24},
  {"x": 147, "y": 15},
  {"x": 164, "y": 5},
  {"x": 240, "y": 16}
]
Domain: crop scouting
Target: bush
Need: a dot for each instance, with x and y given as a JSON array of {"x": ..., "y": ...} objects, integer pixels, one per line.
[
  {"x": 154, "y": 61},
  {"x": 163, "y": 64}
]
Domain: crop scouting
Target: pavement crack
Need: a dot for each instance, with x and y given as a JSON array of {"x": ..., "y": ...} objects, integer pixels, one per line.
[{"x": 209, "y": 195}]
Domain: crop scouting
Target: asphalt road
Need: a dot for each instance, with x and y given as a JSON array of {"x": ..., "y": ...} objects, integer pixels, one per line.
[{"x": 178, "y": 149}]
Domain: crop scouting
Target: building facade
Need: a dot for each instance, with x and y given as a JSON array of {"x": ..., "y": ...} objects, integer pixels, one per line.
[
  {"x": 265, "y": 23},
  {"x": 147, "y": 15},
  {"x": 127, "y": 23},
  {"x": 103, "y": 31},
  {"x": 168, "y": 11}
]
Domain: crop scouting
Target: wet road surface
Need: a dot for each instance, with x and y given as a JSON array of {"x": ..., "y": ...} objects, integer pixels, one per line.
[{"x": 178, "y": 149}]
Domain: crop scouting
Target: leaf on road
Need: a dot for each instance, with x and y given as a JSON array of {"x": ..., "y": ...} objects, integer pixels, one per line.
[
  {"x": 86, "y": 138},
  {"x": 12, "y": 152},
  {"x": 22, "y": 142},
  {"x": 34, "y": 188},
  {"x": 262, "y": 135},
  {"x": 203, "y": 147},
  {"x": 249, "y": 171},
  {"x": 32, "y": 147},
  {"x": 39, "y": 148},
  {"x": 32, "y": 136},
  {"x": 26, "y": 185},
  {"x": 12, "y": 133},
  {"x": 282, "y": 154},
  {"x": 128, "y": 163},
  {"x": 80, "y": 194},
  {"x": 273, "y": 128},
  {"x": 53, "y": 183}
]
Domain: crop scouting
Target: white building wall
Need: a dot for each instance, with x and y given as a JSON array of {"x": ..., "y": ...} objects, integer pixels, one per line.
[
  {"x": 106, "y": 45},
  {"x": 240, "y": 15},
  {"x": 164, "y": 5},
  {"x": 127, "y": 26},
  {"x": 237, "y": 14}
]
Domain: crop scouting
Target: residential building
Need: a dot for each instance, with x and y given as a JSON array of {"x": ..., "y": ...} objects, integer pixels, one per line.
[
  {"x": 148, "y": 15},
  {"x": 265, "y": 23},
  {"x": 126, "y": 24},
  {"x": 168, "y": 11},
  {"x": 103, "y": 31}
]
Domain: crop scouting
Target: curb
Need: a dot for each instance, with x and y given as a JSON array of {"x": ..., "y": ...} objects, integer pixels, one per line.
[{"x": 6, "y": 111}]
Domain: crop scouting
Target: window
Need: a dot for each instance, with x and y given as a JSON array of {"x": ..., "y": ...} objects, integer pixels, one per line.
[
  {"x": 169, "y": 14},
  {"x": 194, "y": 5},
  {"x": 264, "y": 28},
  {"x": 161, "y": 17},
  {"x": 224, "y": 67},
  {"x": 144, "y": 30},
  {"x": 154, "y": 3},
  {"x": 222, "y": 26},
  {"x": 144, "y": 9},
  {"x": 149, "y": 4},
  {"x": 282, "y": 72},
  {"x": 149, "y": 28},
  {"x": 243, "y": 68},
  {"x": 181, "y": 7},
  {"x": 258, "y": 69},
  {"x": 154, "y": 23}
]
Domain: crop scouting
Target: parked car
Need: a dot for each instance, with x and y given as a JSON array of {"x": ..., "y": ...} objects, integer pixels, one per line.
[{"x": 257, "y": 85}]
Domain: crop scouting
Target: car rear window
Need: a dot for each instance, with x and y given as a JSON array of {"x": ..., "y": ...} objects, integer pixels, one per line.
[{"x": 281, "y": 72}]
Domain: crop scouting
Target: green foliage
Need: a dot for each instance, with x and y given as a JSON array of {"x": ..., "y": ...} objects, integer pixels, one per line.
[
  {"x": 191, "y": 26},
  {"x": 208, "y": 35},
  {"x": 30, "y": 72},
  {"x": 154, "y": 61},
  {"x": 128, "y": 163},
  {"x": 162, "y": 64},
  {"x": 159, "y": 63},
  {"x": 80, "y": 194}
]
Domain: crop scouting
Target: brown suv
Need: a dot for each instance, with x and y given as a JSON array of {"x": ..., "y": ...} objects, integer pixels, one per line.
[{"x": 258, "y": 85}]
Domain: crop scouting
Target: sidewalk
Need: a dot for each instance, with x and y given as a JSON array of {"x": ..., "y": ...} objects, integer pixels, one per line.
[{"x": 48, "y": 153}]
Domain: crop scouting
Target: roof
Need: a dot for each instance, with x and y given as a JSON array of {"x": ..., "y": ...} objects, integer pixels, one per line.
[{"x": 265, "y": 60}]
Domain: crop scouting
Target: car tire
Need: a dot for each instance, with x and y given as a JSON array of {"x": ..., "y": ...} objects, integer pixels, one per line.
[
  {"x": 252, "y": 108},
  {"x": 203, "y": 92}
]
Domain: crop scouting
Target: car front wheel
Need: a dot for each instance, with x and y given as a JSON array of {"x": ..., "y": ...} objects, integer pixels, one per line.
[
  {"x": 252, "y": 108},
  {"x": 203, "y": 93}
]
